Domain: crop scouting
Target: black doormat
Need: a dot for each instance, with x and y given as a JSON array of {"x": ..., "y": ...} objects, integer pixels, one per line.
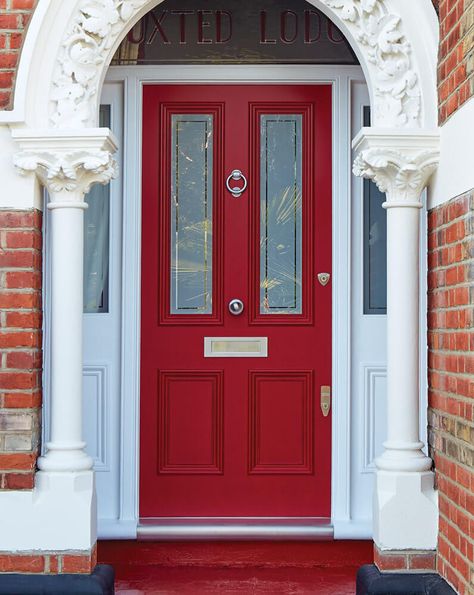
[
  {"x": 100, "y": 582},
  {"x": 370, "y": 581}
]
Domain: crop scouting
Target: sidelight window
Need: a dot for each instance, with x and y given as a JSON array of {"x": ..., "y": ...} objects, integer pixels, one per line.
[
  {"x": 96, "y": 240},
  {"x": 375, "y": 245}
]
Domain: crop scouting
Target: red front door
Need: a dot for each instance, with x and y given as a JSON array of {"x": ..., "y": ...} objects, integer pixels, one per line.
[{"x": 231, "y": 420}]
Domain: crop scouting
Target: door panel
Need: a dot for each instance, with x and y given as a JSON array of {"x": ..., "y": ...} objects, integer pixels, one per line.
[
  {"x": 281, "y": 404},
  {"x": 235, "y": 436},
  {"x": 191, "y": 254}
]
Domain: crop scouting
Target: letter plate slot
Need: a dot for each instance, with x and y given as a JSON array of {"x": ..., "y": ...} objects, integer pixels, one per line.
[{"x": 235, "y": 346}]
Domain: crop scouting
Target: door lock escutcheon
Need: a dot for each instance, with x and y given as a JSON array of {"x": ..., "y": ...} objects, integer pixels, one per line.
[
  {"x": 325, "y": 400},
  {"x": 324, "y": 278}
]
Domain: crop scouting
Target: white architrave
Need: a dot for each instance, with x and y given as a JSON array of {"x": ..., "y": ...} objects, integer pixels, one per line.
[
  {"x": 405, "y": 506},
  {"x": 70, "y": 47}
]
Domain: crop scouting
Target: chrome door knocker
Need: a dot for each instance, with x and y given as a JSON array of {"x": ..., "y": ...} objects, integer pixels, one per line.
[{"x": 235, "y": 176}]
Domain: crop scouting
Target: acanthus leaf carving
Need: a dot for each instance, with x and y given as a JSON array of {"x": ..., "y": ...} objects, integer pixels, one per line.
[
  {"x": 381, "y": 38},
  {"x": 99, "y": 23},
  {"x": 401, "y": 175},
  {"x": 85, "y": 47},
  {"x": 73, "y": 171}
]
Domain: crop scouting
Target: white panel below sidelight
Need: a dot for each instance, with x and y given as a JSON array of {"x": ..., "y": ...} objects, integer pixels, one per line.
[
  {"x": 95, "y": 415},
  {"x": 235, "y": 347},
  {"x": 375, "y": 415}
]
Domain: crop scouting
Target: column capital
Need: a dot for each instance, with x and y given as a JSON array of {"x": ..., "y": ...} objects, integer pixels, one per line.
[
  {"x": 67, "y": 163},
  {"x": 399, "y": 162}
]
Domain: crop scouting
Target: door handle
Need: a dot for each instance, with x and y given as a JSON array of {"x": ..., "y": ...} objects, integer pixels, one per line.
[
  {"x": 236, "y": 307},
  {"x": 325, "y": 400}
]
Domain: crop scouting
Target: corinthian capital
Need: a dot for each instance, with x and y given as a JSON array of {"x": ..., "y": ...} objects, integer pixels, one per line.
[
  {"x": 401, "y": 164},
  {"x": 67, "y": 164}
]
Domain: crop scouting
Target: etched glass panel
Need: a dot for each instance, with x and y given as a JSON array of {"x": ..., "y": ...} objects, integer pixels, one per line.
[
  {"x": 191, "y": 213},
  {"x": 96, "y": 240},
  {"x": 280, "y": 214}
]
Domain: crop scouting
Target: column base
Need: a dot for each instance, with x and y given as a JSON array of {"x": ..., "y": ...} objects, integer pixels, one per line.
[
  {"x": 405, "y": 511},
  {"x": 58, "y": 515},
  {"x": 370, "y": 581},
  {"x": 100, "y": 582},
  {"x": 69, "y": 458}
]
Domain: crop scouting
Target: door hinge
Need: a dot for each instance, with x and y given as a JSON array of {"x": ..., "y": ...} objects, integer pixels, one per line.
[{"x": 325, "y": 400}]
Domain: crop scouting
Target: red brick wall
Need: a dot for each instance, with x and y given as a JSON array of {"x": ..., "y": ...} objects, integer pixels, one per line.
[
  {"x": 14, "y": 18},
  {"x": 20, "y": 346},
  {"x": 456, "y": 55},
  {"x": 49, "y": 562},
  {"x": 451, "y": 382}
]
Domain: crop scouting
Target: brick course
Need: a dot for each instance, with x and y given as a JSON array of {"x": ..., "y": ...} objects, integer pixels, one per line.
[
  {"x": 451, "y": 383},
  {"x": 456, "y": 55},
  {"x": 405, "y": 560},
  {"x": 14, "y": 18},
  {"x": 69, "y": 562},
  {"x": 20, "y": 347}
]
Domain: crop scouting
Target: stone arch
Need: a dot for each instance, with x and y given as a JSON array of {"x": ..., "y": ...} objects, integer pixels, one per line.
[{"x": 70, "y": 72}]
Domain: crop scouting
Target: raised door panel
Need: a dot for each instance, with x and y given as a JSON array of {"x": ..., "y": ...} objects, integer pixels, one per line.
[
  {"x": 190, "y": 422},
  {"x": 281, "y": 422}
]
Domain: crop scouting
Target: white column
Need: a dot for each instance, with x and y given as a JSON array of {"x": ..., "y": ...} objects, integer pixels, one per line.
[
  {"x": 62, "y": 508},
  {"x": 405, "y": 502},
  {"x": 66, "y": 448}
]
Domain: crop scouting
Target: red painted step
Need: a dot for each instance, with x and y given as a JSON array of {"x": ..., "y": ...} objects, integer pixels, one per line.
[
  {"x": 203, "y": 568},
  {"x": 146, "y": 580},
  {"x": 272, "y": 554}
]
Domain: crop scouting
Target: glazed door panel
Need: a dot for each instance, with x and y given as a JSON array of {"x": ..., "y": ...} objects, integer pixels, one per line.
[{"x": 231, "y": 422}]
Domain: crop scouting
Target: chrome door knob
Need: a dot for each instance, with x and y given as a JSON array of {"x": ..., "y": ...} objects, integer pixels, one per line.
[{"x": 236, "y": 307}]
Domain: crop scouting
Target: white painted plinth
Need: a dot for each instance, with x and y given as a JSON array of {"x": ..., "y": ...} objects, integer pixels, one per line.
[
  {"x": 405, "y": 511},
  {"x": 58, "y": 515}
]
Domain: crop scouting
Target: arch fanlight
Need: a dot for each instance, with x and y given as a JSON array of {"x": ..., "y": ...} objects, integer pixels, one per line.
[{"x": 99, "y": 25}]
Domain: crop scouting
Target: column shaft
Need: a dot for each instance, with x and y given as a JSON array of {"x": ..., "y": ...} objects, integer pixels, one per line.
[
  {"x": 402, "y": 325},
  {"x": 66, "y": 448}
]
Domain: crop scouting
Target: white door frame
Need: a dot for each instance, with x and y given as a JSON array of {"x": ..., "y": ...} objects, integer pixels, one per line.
[{"x": 133, "y": 79}]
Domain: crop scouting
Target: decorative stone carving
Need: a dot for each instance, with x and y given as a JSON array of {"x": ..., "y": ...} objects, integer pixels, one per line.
[
  {"x": 85, "y": 48},
  {"x": 403, "y": 176},
  {"x": 381, "y": 38},
  {"x": 98, "y": 25},
  {"x": 76, "y": 171}
]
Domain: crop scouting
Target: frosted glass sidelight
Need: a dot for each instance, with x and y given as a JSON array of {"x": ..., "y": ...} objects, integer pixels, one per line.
[
  {"x": 191, "y": 213},
  {"x": 375, "y": 245},
  {"x": 96, "y": 240},
  {"x": 375, "y": 250},
  {"x": 280, "y": 214}
]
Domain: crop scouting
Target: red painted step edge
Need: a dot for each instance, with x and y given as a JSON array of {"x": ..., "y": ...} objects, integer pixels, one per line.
[{"x": 335, "y": 554}]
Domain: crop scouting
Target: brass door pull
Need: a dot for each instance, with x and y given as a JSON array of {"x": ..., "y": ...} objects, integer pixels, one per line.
[{"x": 325, "y": 400}]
